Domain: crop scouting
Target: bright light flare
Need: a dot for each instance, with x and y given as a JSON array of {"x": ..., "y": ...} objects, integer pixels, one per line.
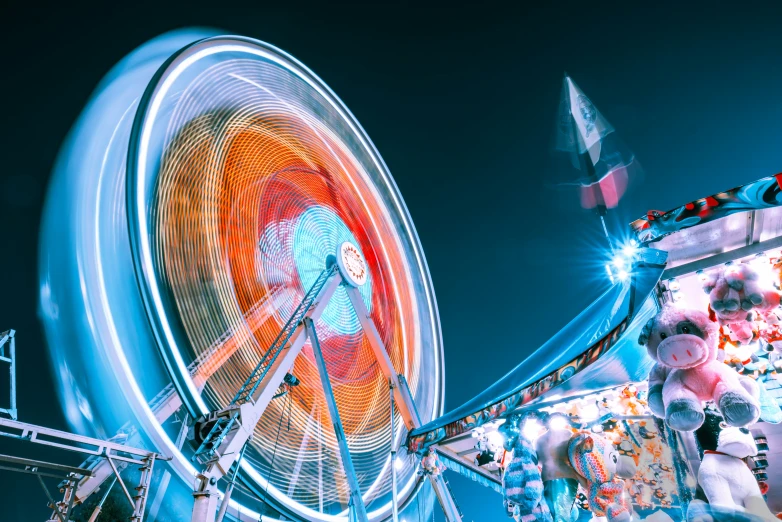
[
  {"x": 495, "y": 440},
  {"x": 558, "y": 422},
  {"x": 630, "y": 249},
  {"x": 532, "y": 430}
]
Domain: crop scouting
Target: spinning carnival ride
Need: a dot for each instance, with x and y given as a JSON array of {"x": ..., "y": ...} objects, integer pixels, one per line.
[{"x": 214, "y": 214}]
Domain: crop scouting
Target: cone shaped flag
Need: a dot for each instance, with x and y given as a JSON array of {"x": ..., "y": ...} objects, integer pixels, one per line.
[{"x": 590, "y": 140}]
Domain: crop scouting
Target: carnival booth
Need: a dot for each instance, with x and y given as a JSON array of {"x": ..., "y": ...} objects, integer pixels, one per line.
[{"x": 659, "y": 401}]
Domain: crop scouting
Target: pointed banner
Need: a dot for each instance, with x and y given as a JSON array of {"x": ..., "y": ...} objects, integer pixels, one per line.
[{"x": 594, "y": 149}]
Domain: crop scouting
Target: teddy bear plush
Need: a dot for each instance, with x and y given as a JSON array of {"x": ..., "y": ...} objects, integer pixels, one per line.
[
  {"x": 736, "y": 296},
  {"x": 523, "y": 485},
  {"x": 725, "y": 478},
  {"x": 683, "y": 343},
  {"x": 595, "y": 459}
]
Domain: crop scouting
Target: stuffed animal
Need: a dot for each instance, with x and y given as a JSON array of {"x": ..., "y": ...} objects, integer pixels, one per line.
[
  {"x": 523, "y": 485},
  {"x": 595, "y": 459},
  {"x": 430, "y": 464},
  {"x": 631, "y": 402},
  {"x": 683, "y": 344},
  {"x": 738, "y": 287},
  {"x": 725, "y": 478},
  {"x": 560, "y": 480},
  {"x": 736, "y": 296}
]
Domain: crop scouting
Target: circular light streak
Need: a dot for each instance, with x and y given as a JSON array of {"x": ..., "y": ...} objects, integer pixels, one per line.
[{"x": 245, "y": 174}]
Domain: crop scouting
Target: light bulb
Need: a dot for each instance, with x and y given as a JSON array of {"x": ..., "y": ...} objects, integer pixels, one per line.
[
  {"x": 495, "y": 439},
  {"x": 532, "y": 429}
]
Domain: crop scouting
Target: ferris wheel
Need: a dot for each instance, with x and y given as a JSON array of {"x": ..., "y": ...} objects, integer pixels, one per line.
[{"x": 245, "y": 261}]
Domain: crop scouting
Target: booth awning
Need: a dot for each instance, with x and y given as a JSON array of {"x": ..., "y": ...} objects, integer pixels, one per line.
[{"x": 606, "y": 331}]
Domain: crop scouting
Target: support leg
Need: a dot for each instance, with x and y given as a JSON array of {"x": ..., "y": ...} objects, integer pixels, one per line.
[
  {"x": 54, "y": 505},
  {"x": 347, "y": 463},
  {"x": 142, "y": 490},
  {"x": 394, "y": 507},
  {"x": 402, "y": 396},
  {"x": 206, "y": 499},
  {"x": 164, "y": 481},
  {"x": 445, "y": 497}
]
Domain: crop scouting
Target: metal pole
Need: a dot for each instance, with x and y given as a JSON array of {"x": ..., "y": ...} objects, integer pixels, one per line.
[
  {"x": 229, "y": 490},
  {"x": 51, "y": 500},
  {"x": 164, "y": 481},
  {"x": 347, "y": 462},
  {"x": 13, "y": 377},
  {"x": 98, "y": 508},
  {"x": 122, "y": 484},
  {"x": 143, "y": 489},
  {"x": 585, "y": 161},
  {"x": 394, "y": 505}
]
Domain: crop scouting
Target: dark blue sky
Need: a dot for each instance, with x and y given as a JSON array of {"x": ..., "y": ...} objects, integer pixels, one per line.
[{"x": 461, "y": 103}]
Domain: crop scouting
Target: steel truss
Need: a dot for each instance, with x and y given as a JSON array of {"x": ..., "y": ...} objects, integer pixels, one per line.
[
  {"x": 118, "y": 456},
  {"x": 233, "y": 426}
]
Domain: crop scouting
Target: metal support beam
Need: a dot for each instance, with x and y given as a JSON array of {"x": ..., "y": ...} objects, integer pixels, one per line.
[
  {"x": 406, "y": 408},
  {"x": 122, "y": 484},
  {"x": 167, "y": 402},
  {"x": 256, "y": 394},
  {"x": 8, "y": 356},
  {"x": 142, "y": 490},
  {"x": 96, "y": 448},
  {"x": 468, "y": 464},
  {"x": 72, "y": 442},
  {"x": 719, "y": 259},
  {"x": 99, "y": 507},
  {"x": 403, "y": 398},
  {"x": 356, "y": 500},
  {"x": 394, "y": 500},
  {"x": 445, "y": 497}
]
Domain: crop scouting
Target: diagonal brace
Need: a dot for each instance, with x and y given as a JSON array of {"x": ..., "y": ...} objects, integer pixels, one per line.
[
  {"x": 402, "y": 397},
  {"x": 355, "y": 491}
]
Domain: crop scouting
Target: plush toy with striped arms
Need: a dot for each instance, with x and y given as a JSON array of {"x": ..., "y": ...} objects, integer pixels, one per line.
[{"x": 523, "y": 485}]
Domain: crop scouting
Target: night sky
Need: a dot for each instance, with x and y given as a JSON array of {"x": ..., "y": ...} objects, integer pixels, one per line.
[{"x": 461, "y": 103}]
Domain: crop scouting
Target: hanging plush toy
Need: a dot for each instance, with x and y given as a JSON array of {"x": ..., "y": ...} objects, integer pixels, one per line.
[
  {"x": 725, "y": 478},
  {"x": 523, "y": 485},
  {"x": 430, "y": 464},
  {"x": 684, "y": 345},
  {"x": 736, "y": 296},
  {"x": 595, "y": 459},
  {"x": 560, "y": 480}
]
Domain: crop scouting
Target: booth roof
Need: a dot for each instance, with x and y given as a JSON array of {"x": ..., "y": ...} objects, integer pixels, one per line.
[
  {"x": 595, "y": 332},
  {"x": 564, "y": 364}
]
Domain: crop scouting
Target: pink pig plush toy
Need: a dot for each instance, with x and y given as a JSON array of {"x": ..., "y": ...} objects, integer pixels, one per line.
[{"x": 684, "y": 345}]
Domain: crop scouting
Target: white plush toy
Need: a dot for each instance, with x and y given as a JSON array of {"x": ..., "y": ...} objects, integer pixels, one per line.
[{"x": 725, "y": 478}]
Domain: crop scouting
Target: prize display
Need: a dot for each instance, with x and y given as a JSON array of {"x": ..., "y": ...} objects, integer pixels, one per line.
[{"x": 685, "y": 443}]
